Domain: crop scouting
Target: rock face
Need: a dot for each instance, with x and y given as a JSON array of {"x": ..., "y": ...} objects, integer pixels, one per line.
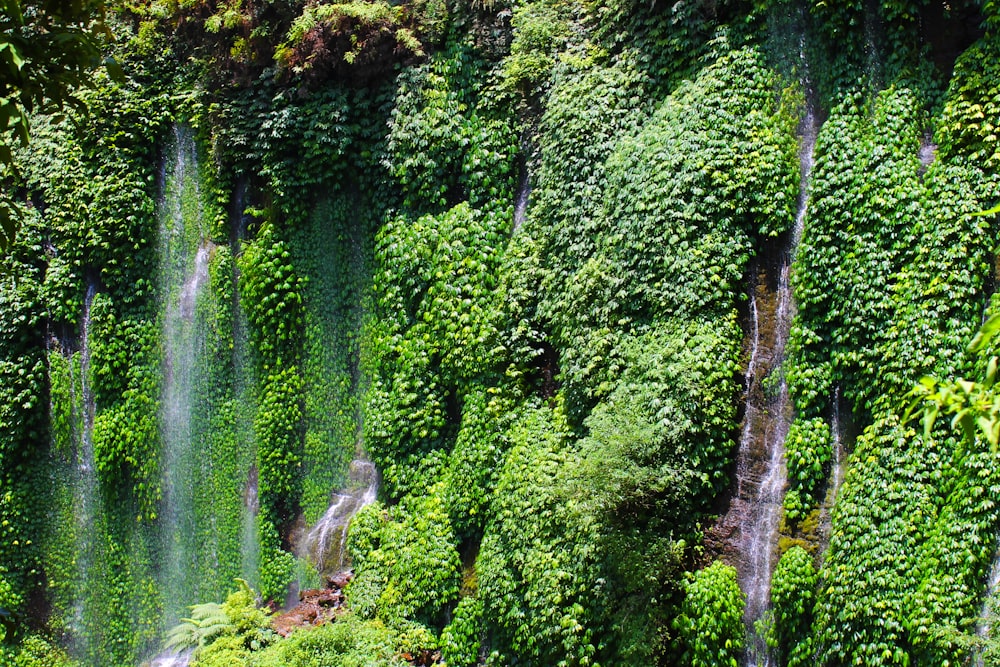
[{"x": 316, "y": 606}]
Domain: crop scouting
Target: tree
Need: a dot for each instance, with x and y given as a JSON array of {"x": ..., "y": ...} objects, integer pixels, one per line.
[{"x": 48, "y": 49}]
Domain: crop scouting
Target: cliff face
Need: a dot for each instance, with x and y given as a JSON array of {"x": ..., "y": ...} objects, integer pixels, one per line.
[{"x": 616, "y": 307}]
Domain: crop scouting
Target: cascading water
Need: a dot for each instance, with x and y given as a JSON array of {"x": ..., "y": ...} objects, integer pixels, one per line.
[
  {"x": 184, "y": 255},
  {"x": 991, "y": 607},
  {"x": 761, "y": 473},
  {"x": 181, "y": 659},
  {"x": 837, "y": 471},
  {"x": 927, "y": 153},
  {"x": 521, "y": 202},
  {"x": 85, "y": 498},
  {"x": 249, "y": 537},
  {"x": 325, "y": 542}
]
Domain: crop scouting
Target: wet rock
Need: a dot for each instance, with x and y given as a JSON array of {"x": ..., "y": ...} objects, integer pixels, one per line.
[
  {"x": 424, "y": 658},
  {"x": 316, "y": 606}
]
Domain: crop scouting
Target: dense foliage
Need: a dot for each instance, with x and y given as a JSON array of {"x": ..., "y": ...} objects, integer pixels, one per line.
[{"x": 517, "y": 255}]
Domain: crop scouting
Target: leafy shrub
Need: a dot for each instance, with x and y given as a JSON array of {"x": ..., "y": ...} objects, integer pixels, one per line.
[
  {"x": 793, "y": 596},
  {"x": 405, "y": 562},
  {"x": 542, "y": 31},
  {"x": 461, "y": 640},
  {"x": 444, "y": 146},
  {"x": 967, "y": 128},
  {"x": 538, "y": 567},
  {"x": 278, "y": 427},
  {"x": 434, "y": 281},
  {"x": 238, "y": 621},
  {"x": 808, "y": 450},
  {"x": 710, "y": 623},
  {"x": 475, "y": 460},
  {"x": 37, "y": 651},
  {"x": 658, "y": 445},
  {"x": 347, "y": 642}
]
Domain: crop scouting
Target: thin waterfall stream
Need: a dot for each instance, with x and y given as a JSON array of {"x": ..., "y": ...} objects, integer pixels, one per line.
[
  {"x": 761, "y": 467},
  {"x": 838, "y": 469},
  {"x": 324, "y": 544},
  {"x": 184, "y": 275},
  {"x": 85, "y": 495},
  {"x": 991, "y": 607}
]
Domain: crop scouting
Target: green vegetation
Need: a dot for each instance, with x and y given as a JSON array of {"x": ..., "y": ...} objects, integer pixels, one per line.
[
  {"x": 710, "y": 623},
  {"x": 502, "y": 250}
]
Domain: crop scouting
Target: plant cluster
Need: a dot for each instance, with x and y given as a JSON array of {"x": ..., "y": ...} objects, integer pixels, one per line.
[{"x": 710, "y": 622}]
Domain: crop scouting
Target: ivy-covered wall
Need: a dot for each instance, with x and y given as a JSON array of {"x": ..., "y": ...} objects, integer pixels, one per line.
[{"x": 506, "y": 251}]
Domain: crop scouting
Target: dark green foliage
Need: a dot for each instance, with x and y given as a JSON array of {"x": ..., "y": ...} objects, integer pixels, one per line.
[
  {"x": 126, "y": 431},
  {"x": 476, "y": 459},
  {"x": 37, "y": 651},
  {"x": 461, "y": 639},
  {"x": 278, "y": 428},
  {"x": 445, "y": 146},
  {"x": 659, "y": 443},
  {"x": 673, "y": 238},
  {"x": 271, "y": 295},
  {"x": 434, "y": 282},
  {"x": 50, "y": 50},
  {"x": 710, "y": 622},
  {"x": 539, "y": 565},
  {"x": 891, "y": 280},
  {"x": 967, "y": 126},
  {"x": 542, "y": 32},
  {"x": 557, "y": 400}
]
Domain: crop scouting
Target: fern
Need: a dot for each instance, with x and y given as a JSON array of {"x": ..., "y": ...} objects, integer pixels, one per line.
[{"x": 208, "y": 622}]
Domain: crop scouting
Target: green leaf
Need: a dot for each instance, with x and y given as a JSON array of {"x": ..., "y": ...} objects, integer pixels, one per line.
[
  {"x": 992, "y": 211},
  {"x": 986, "y": 333}
]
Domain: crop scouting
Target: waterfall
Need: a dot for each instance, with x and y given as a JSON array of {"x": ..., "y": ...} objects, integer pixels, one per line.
[
  {"x": 838, "y": 469},
  {"x": 927, "y": 153},
  {"x": 184, "y": 259},
  {"x": 243, "y": 393},
  {"x": 324, "y": 543},
  {"x": 85, "y": 496},
  {"x": 766, "y": 423},
  {"x": 172, "y": 659},
  {"x": 991, "y": 605},
  {"x": 521, "y": 202}
]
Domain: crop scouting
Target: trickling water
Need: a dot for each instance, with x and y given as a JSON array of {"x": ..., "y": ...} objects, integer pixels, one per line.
[
  {"x": 172, "y": 659},
  {"x": 759, "y": 523},
  {"x": 521, "y": 203},
  {"x": 243, "y": 392},
  {"x": 325, "y": 542},
  {"x": 991, "y": 607},
  {"x": 927, "y": 153},
  {"x": 85, "y": 497},
  {"x": 249, "y": 539},
  {"x": 837, "y": 472},
  {"x": 184, "y": 259},
  {"x": 86, "y": 461}
]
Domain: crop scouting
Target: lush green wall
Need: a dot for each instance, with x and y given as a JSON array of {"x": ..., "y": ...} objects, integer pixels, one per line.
[{"x": 552, "y": 395}]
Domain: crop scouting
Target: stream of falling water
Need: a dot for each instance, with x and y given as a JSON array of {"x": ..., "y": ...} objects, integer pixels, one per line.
[
  {"x": 325, "y": 542},
  {"x": 521, "y": 202},
  {"x": 85, "y": 479},
  {"x": 184, "y": 275},
  {"x": 991, "y": 607},
  {"x": 837, "y": 471},
  {"x": 759, "y": 525}
]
